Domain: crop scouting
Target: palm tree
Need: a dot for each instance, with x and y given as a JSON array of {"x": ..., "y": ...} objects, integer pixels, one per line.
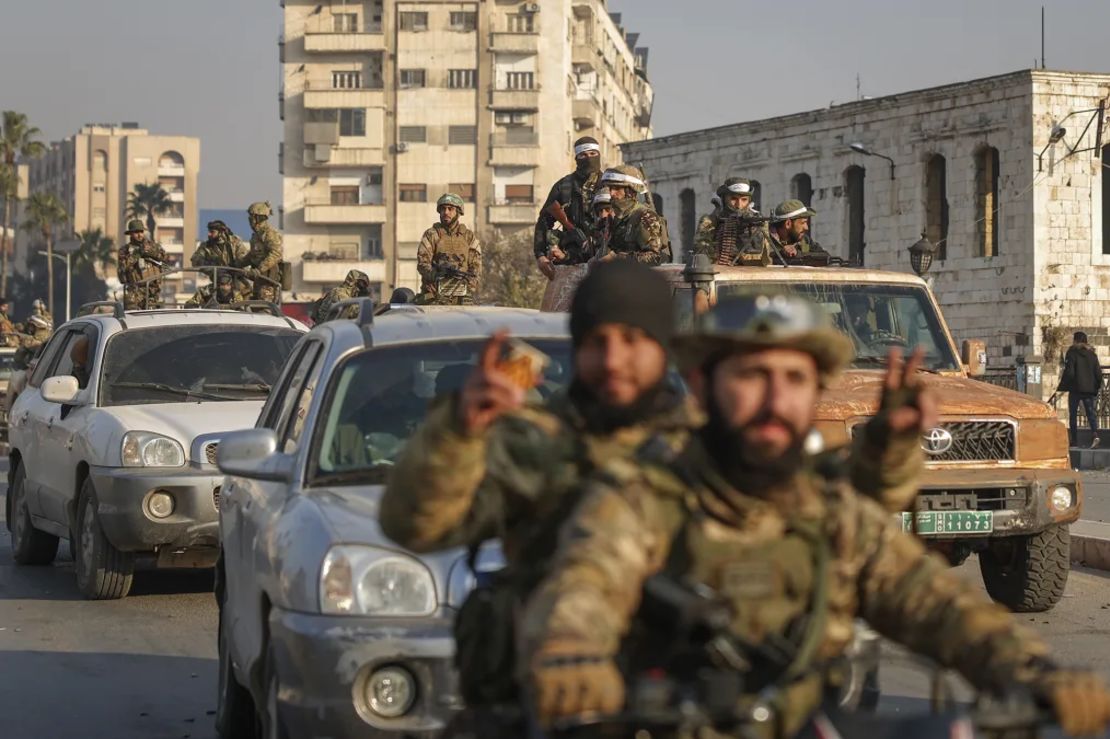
[
  {"x": 18, "y": 139},
  {"x": 43, "y": 212},
  {"x": 147, "y": 201},
  {"x": 96, "y": 250}
]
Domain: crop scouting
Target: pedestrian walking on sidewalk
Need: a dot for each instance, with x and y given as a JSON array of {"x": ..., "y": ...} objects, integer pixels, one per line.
[{"x": 1081, "y": 380}]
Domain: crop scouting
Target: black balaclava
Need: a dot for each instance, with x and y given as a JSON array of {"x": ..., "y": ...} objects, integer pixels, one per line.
[{"x": 586, "y": 166}]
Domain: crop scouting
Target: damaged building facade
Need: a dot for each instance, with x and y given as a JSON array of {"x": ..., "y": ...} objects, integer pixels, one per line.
[{"x": 1020, "y": 216}]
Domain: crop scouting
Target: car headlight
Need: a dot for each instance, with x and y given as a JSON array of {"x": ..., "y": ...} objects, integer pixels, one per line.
[
  {"x": 359, "y": 580},
  {"x": 148, "y": 449}
]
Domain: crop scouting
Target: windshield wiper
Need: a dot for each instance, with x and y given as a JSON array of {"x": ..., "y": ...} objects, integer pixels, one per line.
[
  {"x": 257, "y": 387},
  {"x": 881, "y": 362},
  {"x": 172, "y": 389},
  {"x": 365, "y": 475}
]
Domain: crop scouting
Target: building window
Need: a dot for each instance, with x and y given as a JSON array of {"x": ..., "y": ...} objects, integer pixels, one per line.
[
  {"x": 986, "y": 200},
  {"x": 464, "y": 191},
  {"x": 413, "y": 21},
  {"x": 757, "y": 193},
  {"x": 321, "y": 115},
  {"x": 99, "y": 187},
  {"x": 520, "y": 80},
  {"x": 346, "y": 80},
  {"x": 462, "y": 20},
  {"x": 462, "y": 79},
  {"x": 801, "y": 188},
  {"x": 853, "y": 187},
  {"x": 518, "y": 194},
  {"x": 511, "y": 118},
  {"x": 688, "y": 216},
  {"x": 414, "y": 134},
  {"x": 936, "y": 203},
  {"x": 374, "y": 243},
  {"x": 344, "y": 22},
  {"x": 462, "y": 135},
  {"x": 521, "y": 23},
  {"x": 413, "y": 78},
  {"x": 657, "y": 202},
  {"x": 344, "y": 194},
  {"x": 1105, "y": 200},
  {"x": 414, "y": 193},
  {"x": 352, "y": 122}
]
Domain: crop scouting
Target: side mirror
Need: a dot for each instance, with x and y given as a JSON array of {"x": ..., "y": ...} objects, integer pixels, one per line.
[
  {"x": 62, "y": 389},
  {"x": 975, "y": 357},
  {"x": 253, "y": 454}
]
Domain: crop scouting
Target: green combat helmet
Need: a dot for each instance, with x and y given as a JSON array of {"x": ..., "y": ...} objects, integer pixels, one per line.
[
  {"x": 766, "y": 322},
  {"x": 450, "y": 199},
  {"x": 261, "y": 209},
  {"x": 135, "y": 226},
  {"x": 624, "y": 175},
  {"x": 791, "y": 209}
]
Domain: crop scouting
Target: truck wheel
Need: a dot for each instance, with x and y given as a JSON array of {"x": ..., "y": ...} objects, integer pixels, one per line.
[
  {"x": 1027, "y": 574},
  {"x": 235, "y": 713},
  {"x": 29, "y": 545},
  {"x": 103, "y": 572}
]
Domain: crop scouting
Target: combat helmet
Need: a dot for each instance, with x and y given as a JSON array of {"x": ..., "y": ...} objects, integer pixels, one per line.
[
  {"x": 735, "y": 186},
  {"x": 601, "y": 197},
  {"x": 218, "y": 226},
  {"x": 356, "y": 277},
  {"x": 261, "y": 208},
  {"x": 624, "y": 175},
  {"x": 759, "y": 322},
  {"x": 135, "y": 226},
  {"x": 450, "y": 198}
]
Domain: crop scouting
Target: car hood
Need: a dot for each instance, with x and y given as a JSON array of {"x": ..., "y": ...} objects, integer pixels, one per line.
[
  {"x": 856, "y": 394},
  {"x": 186, "y": 421}
]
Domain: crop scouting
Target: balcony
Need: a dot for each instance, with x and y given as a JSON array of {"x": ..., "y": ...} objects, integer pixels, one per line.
[
  {"x": 334, "y": 271},
  {"x": 324, "y": 213},
  {"x": 331, "y": 156},
  {"x": 329, "y": 42},
  {"x": 584, "y": 55},
  {"x": 170, "y": 221},
  {"x": 176, "y": 196},
  {"x": 511, "y": 149},
  {"x": 321, "y": 94},
  {"x": 501, "y": 99},
  {"x": 585, "y": 112},
  {"x": 514, "y": 43},
  {"x": 511, "y": 213},
  {"x": 171, "y": 170}
]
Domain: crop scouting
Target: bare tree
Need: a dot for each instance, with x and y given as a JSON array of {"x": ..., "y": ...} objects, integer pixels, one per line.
[{"x": 509, "y": 273}]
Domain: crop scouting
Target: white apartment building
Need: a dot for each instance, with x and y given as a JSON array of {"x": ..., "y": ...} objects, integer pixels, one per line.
[
  {"x": 388, "y": 104},
  {"x": 1021, "y": 217}
]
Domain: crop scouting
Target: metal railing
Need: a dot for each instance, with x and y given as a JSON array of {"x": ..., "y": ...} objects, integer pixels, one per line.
[
  {"x": 1006, "y": 378},
  {"x": 1102, "y": 406}
]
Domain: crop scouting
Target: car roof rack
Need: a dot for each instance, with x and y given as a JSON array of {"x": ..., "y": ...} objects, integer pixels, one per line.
[
  {"x": 118, "y": 311},
  {"x": 271, "y": 308},
  {"x": 365, "y": 318}
]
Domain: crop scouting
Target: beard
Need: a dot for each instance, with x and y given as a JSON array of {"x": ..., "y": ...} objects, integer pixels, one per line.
[
  {"x": 449, "y": 223},
  {"x": 746, "y": 468},
  {"x": 603, "y": 417}
]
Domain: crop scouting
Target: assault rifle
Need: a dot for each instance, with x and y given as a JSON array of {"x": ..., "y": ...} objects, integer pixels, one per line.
[{"x": 559, "y": 213}]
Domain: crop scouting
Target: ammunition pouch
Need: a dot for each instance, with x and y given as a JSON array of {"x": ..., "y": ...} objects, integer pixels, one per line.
[{"x": 485, "y": 650}]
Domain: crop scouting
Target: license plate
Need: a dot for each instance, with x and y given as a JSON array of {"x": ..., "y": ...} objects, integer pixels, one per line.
[{"x": 942, "y": 523}]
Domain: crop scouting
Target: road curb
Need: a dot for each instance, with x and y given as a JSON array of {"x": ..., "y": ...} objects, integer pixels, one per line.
[{"x": 1090, "y": 545}]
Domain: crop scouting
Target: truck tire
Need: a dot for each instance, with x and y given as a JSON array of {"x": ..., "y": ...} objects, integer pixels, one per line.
[
  {"x": 1027, "y": 574},
  {"x": 29, "y": 545},
  {"x": 103, "y": 572}
]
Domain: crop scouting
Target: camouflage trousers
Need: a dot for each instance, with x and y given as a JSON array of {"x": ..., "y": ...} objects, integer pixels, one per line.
[{"x": 142, "y": 297}]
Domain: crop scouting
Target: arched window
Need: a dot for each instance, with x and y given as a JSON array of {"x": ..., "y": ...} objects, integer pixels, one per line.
[
  {"x": 657, "y": 201},
  {"x": 936, "y": 203},
  {"x": 801, "y": 188},
  {"x": 986, "y": 200},
  {"x": 853, "y": 188},
  {"x": 100, "y": 161},
  {"x": 757, "y": 194},
  {"x": 171, "y": 159},
  {"x": 688, "y": 219}
]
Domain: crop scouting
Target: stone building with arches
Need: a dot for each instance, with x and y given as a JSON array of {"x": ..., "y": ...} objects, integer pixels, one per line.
[{"x": 1020, "y": 217}]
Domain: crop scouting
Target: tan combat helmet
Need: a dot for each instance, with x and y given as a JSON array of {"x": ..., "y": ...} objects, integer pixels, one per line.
[
  {"x": 260, "y": 209},
  {"x": 450, "y": 198},
  {"x": 357, "y": 277},
  {"x": 135, "y": 226},
  {"x": 624, "y": 175},
  {"x": 758, "y": 322}
]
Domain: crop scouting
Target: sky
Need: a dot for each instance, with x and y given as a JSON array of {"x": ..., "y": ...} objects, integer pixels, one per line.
[{"x": 209, "y": 68}]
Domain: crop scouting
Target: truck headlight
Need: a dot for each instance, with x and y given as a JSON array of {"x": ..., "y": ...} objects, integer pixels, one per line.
[
  {"x": 148, "y": 449},
  {"x": 1061, "y": 498},
  {"x": 360, "y": 580}
]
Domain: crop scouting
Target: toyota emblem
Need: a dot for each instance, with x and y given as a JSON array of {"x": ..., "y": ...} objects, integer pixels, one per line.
[{"x": 936, "y": 441}]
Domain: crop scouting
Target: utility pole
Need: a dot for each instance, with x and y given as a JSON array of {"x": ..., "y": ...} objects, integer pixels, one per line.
[{"x": 1042, "y": 37}]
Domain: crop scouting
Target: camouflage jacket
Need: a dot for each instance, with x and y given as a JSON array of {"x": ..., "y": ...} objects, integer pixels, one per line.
[
  {"x": 225, "y": 252},
  {"x": 141, "y": 261},
  {"x": 333, "y": 296},
  {"x": 575, "y": 197},
  {"x": 457, "y": 248},
  {"x": 639, "y": 233},
  {"x": 674, "y": 514},
  {"x": 265, "y": 252},
  {"x": 751, "y": 244},
  {"x": 206, "y": 293}
]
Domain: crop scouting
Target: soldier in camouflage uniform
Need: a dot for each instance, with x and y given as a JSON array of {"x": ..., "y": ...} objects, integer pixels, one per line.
[
  {"x": 740, "y": 242},
  {"x": 637, "y": 232},
  {"x": 574, "y": 192},
  {"x": 7, "y": 328},
  {"x": 790, "y": 230},
  {"x": 483, "y": 465},
  {"x": 140, "y": 259},
  {"x": 264, "y": 257},
  {"x": 223, "y": 249},
  {"x": 794, "y": 552},
  {"x": 224, "y": 293},
  {"x": 449, "y": 258},
  {"x": 356, "y": 285}
]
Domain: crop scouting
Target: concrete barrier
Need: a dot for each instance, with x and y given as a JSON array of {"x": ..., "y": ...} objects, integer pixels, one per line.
[
  {"x": 1090, "y": 459},
  {"x": 1090, "y": 544}
]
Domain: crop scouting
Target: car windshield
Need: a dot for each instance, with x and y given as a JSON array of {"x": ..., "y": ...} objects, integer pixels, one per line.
[
  {"x": 7, "y": 366},
  {"x": 379, "y": 397},
  {"x": 874, "y": 316},
  {"x": 176, "y": 364}
]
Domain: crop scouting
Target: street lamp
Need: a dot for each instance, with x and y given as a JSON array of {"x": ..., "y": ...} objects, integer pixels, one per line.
[
  {"x": 861, "y": 149},
  {"x": 921, "y": 255},
  {"x": 1058, "y": 133},
  {"x": 67, "y": 247}
]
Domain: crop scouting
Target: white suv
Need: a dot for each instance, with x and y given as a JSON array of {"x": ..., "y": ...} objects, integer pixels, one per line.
[{"x": 113, "y": 444}]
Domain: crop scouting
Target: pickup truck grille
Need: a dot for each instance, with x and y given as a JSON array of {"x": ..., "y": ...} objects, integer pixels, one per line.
[
  {"x": 973, "y": 441},
  {"x": 210, "y": 452}
]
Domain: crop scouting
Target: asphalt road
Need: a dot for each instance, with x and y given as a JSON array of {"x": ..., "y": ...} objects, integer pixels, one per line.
[{"x": 145, "y": 667}]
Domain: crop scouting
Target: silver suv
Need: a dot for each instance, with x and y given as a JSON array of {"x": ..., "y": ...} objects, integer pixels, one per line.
[{"x": 327, "y": 628}]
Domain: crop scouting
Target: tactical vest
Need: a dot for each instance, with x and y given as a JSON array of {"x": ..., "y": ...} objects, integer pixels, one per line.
[
  {"x": 622, "y": 240},
  {"x": 452, "y": 250},
  {"x": 576, "y": 199}
]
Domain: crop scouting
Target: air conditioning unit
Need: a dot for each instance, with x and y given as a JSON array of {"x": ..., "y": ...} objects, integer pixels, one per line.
[
  {"x": 531, "y": 7},
  {"x": 401, "y": 148}
]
